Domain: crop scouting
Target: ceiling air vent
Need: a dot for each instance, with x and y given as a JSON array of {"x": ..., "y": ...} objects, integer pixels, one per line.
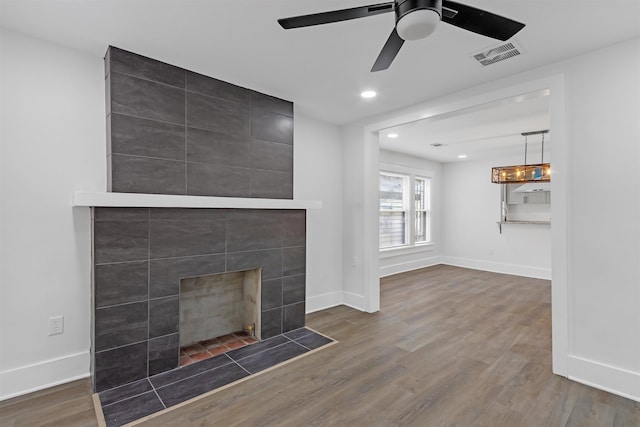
[{"x": 498, "y": 53}]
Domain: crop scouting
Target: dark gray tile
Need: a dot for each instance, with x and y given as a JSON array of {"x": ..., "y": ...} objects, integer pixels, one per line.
[
  {"x": 131, "y": 174},
  {"x": 293, "y": 261},
  {"x": 187, "y": 214},
  {"x": 165, "y": 274},
  {"x": 250, "y": 350},
  {"x": 125, "y": 411},
  {"x": 270, "y": 260},
  {"x": 199, "y": 384},
  {"x": 293, "y": 289},
  {"x": 107, "y": 61},
  {"x": 217, "y": 88},
  {"x": 147, "y": 138},
  {"x": 293, "y": 317},
  {"x": 206, "y": 146},
  {"x": 180, "y": 374},
  {"x": 164, "y": 353},
  {"x": 120, "y": 325},
  {"x": 175, "y": 238},
  {"x": 272, "y": 357},
  {"x": 271, "y": 294},
  {"x": 271, "y": 323},
  {"x": 120, "y": 366},
  {"x": 121, "y": 283},
  {"x": 313, "y": 341},
  {"x": 271, "y": 103},
  {"x": 164, "y": 316},
  {"x": 253, "y": 229},
  {"x": 298, "y": 333},
  {"x": 120, "y": 214},
  {"x": 217, "y": 180},
  {"x": 270, "y": 126},
  {"x": 272, "y": 156},
  {"x": 294, "y": 228},
  {"x": 117, "y": 241},
  {"x": 126, "y": 62},
  {"x": 218, "y": 115},
  {"x": 271, "y": 184},
  {"x": 134, "y": 96},
  {"x": 124, "y": 392}
]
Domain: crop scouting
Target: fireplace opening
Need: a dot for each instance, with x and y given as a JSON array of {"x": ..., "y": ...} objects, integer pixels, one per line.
[{"x": 219, "y": 313}]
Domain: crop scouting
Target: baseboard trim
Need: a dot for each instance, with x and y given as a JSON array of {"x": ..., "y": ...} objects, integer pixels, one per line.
[
  {"x": 324, "y": 301},
  {"x": 48, "y": 373},
  {"x": 498, "y": 267},
  {"x": 403, "y": 267},
  {"x": 353, "y": 300},
  {"x": 605, "y": 377}
]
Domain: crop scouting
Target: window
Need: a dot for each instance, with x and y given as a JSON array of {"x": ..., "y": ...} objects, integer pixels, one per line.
[{"x": 404, "y": 210}]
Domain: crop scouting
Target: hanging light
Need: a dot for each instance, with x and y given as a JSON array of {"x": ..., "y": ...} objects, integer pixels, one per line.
[{"x": 540, "y": 172}]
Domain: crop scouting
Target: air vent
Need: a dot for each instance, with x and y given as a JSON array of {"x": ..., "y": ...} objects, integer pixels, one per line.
[
  {"x": 438, "y": 144},
  {"x": 498, "y": 53}
]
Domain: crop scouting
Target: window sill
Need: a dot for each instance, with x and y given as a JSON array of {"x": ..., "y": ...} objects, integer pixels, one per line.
[{"x": 405, "y": 250}]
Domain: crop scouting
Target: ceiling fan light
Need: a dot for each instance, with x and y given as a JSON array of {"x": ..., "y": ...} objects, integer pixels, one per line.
[{"x": 418, "y": 24}]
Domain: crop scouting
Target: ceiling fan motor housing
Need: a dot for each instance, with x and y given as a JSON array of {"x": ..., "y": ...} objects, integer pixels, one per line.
[{"x": 416, "y": 19}]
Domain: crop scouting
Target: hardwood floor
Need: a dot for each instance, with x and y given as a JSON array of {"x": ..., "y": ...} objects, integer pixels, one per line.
[{"x": 450, "y": 346}]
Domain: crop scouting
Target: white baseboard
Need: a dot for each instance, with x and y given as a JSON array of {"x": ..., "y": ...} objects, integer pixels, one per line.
[
  {"x": 498, "y": 267},
  {"x": 323, "y": 301},
  {"x": 609, "y": 378},
  {"x": 402, "y": 267},
  {"x": 37, "y": 376},
  {"x": 353, "y": 300}
]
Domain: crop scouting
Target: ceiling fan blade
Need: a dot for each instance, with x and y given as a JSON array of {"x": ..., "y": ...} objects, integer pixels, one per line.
[
  {"x": 388, "y": 52},
  {"x": 479, "y": 21},
  {"x": 335, "y": 16}
]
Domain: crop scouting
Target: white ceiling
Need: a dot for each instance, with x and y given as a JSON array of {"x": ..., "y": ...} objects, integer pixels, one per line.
[{"x": 322, "y": 69}]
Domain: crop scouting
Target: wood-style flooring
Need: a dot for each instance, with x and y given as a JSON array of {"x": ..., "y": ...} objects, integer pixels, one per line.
[{"x": 450, "y": 346}]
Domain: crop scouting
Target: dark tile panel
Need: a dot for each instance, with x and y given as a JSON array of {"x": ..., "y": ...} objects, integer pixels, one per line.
[
  {"x": 271, "y": 103},
  {"x": 120, "y": 214},
  {"x": 141, "y": 66},
  {"x": 121, "y": 283},
  {"x": 218, "y": 115},
  {"x": 271, "y": 184},
  {"x": 269, "y": 260},
  {"x": 117, "y": 241},
  {"x": 205, "y": 146},
  {"x": 293, "y": 261},
  {"x": 202, "y": 383},
  {"x": 298, "y": 333},
  {"x": 187, "y": 214},
  {"x": 143, "y": 98},
  {"x": 293, "y": 316},
  {"x": 271, "y": 357},
  {"x": 293, "y": 289},
  {"x": 125, "y": 411},
  {"x": 125, "y": 392},
  {"x": 120, "y": 325},
  {"x": 217, "y": 180},
  {"x": 270, "y": 126},
  {"x": 131, "y": 174},
  {"x": 164, "y": 353},
  {"x": 165, "y": 274},
  {"x": 294, "y": 228},
  {"x": 253, "y": 229},
  {"x": 250, "y": 350},
  {"x": 120, "y": 366},
  {"x": 272, "y": 156},
  {"x": 179, "y": 374},
  {"x": 314, "y": 341},
  {"x": 164, "y": 316},
  {"x": 217, "y": 88},
  {"x": 107, "y": 62},
  {"x": 271, "y": 294},
  {"x": 148, "y": 138},
  {"x": 175, "y": 238},
  {"x": 271, "y": 323},
  {"x": 109, "y": 136}
]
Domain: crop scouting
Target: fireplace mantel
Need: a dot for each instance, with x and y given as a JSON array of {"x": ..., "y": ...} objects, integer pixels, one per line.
[{"x": 139, "y": 200}]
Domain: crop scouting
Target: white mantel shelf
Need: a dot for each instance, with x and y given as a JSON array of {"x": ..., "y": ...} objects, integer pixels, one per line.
[{"x": 139, "y": 200}]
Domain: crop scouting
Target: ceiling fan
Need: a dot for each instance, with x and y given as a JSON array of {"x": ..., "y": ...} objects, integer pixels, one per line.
[{"x": 415, "y": 19}]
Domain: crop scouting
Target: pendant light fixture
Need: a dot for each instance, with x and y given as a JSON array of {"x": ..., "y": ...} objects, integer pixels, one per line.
[{"x": 540, "y": 172}]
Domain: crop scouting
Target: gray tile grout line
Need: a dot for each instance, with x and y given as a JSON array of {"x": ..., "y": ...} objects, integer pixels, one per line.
[
  {"x": 194, "y": 375},
  {"x": 148, "y": 290}
]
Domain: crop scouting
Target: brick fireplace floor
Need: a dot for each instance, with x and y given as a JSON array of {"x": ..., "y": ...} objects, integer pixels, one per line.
[{"x": 206, "y": 349}]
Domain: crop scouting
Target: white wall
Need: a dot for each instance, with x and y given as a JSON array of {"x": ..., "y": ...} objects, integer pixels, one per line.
[
  {"x": 400, "y": 260},
  {"x": 52, "y": 126},
  {"x": 472, "y": 207}
]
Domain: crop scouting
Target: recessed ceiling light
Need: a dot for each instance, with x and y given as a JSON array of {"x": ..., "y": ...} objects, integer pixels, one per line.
[
  {"x": 462, "y": 156},
  {"x": 392, "y": 135},
  {"x": 368, "y": 94}
]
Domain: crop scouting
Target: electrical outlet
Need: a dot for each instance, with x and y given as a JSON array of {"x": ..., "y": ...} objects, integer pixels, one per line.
[
  {"x": 491, "y": 252},
  {"x": 56, "y": 325}
]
